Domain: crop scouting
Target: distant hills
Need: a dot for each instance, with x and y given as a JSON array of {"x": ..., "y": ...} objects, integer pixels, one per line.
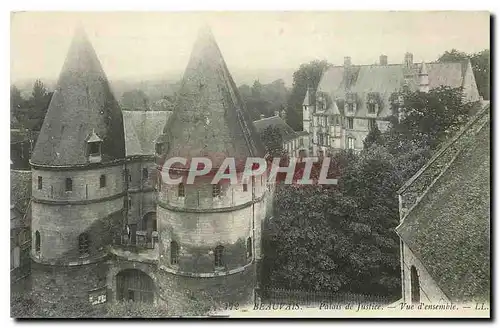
[{"x": 165, "y": 85}]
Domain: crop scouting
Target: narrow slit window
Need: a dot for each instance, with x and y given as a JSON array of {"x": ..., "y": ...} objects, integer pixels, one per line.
[
  {"x": 37, "y": 242},
  {"x": 245, "y": 187},
  {"x": 249, "y": 247},
  {"x": 145, "y": 173},
  {"x": 39, "y": 183},
  {"x": 69, "y": 184},
  {"x": 102, "y": 181},
  {"x": 174, "y": 253}
]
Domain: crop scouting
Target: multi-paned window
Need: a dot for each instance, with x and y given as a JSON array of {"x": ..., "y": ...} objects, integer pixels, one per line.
[
  {"x": 371, "y": 124},
  {"x": 218, "y": 256},
  {"x": 350, "y": 143},
  {"x": 181, "y": 191},
  {"x": 84, "y": 244},
  {"x": 350, "y": 123},
  {"x": 216, "y": 190}
]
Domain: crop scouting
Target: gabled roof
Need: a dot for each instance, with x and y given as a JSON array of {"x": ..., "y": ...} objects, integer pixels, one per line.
[
  {"x": 82, "y": 103},
  {"x": 386, "y": 79},
  {"x": 142, "y": 128},
  {"x": 209, "y": 118},
  {"x": 449, "y": 229},
  {"x": 287, "y": 133}
]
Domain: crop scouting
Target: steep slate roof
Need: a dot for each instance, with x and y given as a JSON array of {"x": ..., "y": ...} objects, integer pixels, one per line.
[
  {"x": 286, "y": 130},
  {"x": 209, "y": 118},
  {"x": 141, "y": 130},
  {"x": 82, "y": 103},
  {"x": 386, "y": 79},
  {"x": 449, "y": 229}
]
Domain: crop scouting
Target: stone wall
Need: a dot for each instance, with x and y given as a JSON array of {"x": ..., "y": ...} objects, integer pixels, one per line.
[{"x": 64, "y": 291}]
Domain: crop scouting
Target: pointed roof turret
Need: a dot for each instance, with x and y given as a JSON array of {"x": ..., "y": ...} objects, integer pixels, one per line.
[
  {"x": 423, "y": 69},
  {"x": 81, "y": 108},
  {"x": 209, "y": 118}
]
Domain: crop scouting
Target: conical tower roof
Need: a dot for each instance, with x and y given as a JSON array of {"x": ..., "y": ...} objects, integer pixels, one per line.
[
  {"x": 82, "y": 104},
  {"x": 209, "y": 118}
]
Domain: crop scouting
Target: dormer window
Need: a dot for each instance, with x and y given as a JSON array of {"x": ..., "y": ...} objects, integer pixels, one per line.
[
  {"x": 94, "y": 151},
  {"x": 159, "y": 148},
  {"x": 371, "y": 107},
  {"x": 161, "y": 145}
]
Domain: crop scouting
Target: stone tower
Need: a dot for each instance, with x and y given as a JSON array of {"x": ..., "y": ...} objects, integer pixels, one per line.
[
  {"x": 210, "y": 234},
  {"x": 78, "y": 185}
]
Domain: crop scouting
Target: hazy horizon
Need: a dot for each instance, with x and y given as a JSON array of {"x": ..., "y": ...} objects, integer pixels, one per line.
[{"x": 144, "y": 45}]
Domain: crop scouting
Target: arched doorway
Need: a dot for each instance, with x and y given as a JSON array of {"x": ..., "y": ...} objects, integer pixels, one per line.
[
  {"x": 415, "y": 285},
  {"x": 134, "y": 285}
]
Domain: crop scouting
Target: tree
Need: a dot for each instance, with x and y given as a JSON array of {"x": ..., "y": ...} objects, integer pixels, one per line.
[
  {"x": 135, "y": 100},
  {"x": 453, "y": 56},
  {"x": 264, "y": 99},
  {"x": 15, "y": 104},
  {"x": 273, "y": 141},
  {"x": 31, "y": 113},
  {"x": 308, "y": 75},
  {"x": 480, "y": 66},
  {"x": 374, "y": 137},
  {"x": 430, "y": 118}
]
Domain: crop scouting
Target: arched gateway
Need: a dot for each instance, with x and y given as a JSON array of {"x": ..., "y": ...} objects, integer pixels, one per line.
[{"x": 134, "y": 285}]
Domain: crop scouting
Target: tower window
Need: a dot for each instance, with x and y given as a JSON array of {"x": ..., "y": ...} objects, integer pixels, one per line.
[
  {"x": 245, "y": 187},
  {"x": 219, "y": 252},
  {"x": 181, "y": 191},
  {"x": 350, "y": 107},
  {"x": 249, "y": 247},
  {"x": 159, "y": 148},
  {"x": 174, "y": 253},
  {"x": 69, "y": 184},
  {"x": 39, "y": 183},
  {"x": 102, "y": 181},
  {"x": 37, "y": 242},
  {"x": 216, "y": 190},
  {"x": 350, "y": 123},
  {"x": 83, "y": 244},
  {"x": 145, "y": 173}
]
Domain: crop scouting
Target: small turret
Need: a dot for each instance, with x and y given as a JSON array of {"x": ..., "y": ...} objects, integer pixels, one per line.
[{"x": 423, "y": 78}]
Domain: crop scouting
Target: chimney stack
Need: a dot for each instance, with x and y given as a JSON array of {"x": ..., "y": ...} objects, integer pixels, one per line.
[
  {"x": 347, "y": 61},
  {"x": 383, "y": 60}
]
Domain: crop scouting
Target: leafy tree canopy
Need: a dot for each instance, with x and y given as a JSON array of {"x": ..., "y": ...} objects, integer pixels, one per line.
[{"x": 308, "y": 75}]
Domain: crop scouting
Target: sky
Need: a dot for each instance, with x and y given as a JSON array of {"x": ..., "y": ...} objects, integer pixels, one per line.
[{"x": 138, "y": 45}]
